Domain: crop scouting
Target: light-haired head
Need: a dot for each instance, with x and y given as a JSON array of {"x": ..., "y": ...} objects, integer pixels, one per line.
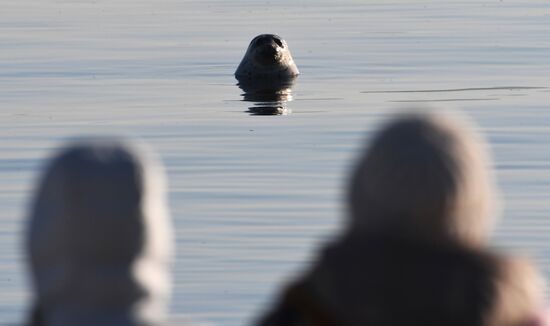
[
  {"x": 99, "y": 236},
  {"x": 427, "y": 175}
]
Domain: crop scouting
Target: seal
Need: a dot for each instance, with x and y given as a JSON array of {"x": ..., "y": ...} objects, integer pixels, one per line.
[{"x": 267, "y": 58}]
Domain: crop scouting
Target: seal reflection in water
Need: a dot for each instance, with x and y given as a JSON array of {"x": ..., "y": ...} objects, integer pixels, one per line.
[{"x": 266, "y": 74}]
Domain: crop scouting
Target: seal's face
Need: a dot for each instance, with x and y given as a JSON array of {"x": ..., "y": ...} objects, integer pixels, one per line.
[
  {"x": 267, "y": 50},
  {"x": 267, "y": 57}
]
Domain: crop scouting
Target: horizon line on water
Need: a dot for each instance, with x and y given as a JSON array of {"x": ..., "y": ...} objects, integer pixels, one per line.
[{"x": 460, "y": 89}]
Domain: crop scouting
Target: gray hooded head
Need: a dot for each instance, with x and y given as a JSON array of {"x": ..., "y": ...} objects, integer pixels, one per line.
[
  {"x": 424, "y": 175},
  {"x": 99, "y": 237}
]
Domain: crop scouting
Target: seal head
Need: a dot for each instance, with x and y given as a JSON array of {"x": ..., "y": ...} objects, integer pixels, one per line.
[{"x": 267, "y": 57}]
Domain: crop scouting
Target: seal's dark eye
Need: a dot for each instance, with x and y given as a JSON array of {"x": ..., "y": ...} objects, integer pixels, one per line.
[{"x": 279, "y": 42}]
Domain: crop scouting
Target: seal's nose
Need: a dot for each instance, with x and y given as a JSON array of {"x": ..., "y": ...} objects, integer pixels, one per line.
[
  {"x": 269, "y": 51},
  {"x": 268, "y": 55}
]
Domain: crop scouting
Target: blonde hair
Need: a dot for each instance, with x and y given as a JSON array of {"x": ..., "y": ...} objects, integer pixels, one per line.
[{"x": 424, "y": 175}]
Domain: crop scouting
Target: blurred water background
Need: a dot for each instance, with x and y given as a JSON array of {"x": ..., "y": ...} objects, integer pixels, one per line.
[{"x": 253, "y": 196}]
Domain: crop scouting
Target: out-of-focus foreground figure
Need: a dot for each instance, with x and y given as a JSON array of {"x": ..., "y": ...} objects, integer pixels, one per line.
[
  {"x": 414, "y": 253},
  {"x": 99, "y": 238}
]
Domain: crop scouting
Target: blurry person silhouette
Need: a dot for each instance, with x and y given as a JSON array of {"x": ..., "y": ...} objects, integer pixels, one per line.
[
  {"x": 99, "y": 237},
  {"x": 415, "y": 248}
]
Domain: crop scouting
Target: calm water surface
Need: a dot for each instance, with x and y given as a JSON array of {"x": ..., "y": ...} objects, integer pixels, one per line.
[{"x": 253, "y": 196}]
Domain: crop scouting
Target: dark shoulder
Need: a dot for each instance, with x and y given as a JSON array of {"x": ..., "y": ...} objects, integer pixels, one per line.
[
  {"x": 386, "y": 282},
  {"x": 299, "y": 305}
]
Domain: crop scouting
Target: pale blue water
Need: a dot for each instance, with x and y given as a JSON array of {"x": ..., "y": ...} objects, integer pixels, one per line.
[{"x": 253, "y": 196}]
